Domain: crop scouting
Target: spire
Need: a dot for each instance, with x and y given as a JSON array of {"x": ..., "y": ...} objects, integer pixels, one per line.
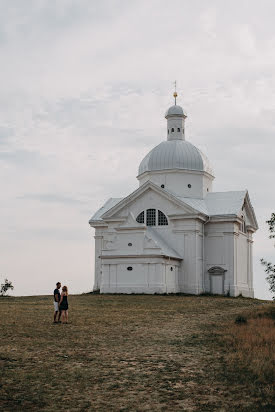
[
  {"x": 175, "y": 120},
  {"x": 175, "y": 92}
]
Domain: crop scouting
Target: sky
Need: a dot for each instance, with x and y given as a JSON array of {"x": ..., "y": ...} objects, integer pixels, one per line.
[{"x": 84, "y": 88}]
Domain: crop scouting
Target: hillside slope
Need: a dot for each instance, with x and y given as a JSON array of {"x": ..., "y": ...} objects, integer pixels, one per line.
[{"x": 125, "y": 353}]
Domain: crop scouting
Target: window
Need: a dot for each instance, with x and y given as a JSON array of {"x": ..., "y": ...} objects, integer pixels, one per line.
[
  {"x": 189, "y": 185},
  {"x": 151, "y": 217},
  {"x": 130, "y": 244},
  {"x": 162, "y": 219},
  {"x": 183, "y": 131},
  {"x": 172, "y": 130},
  {"x": 168, "y": 131},
  {"x": 129, "y": 268},
  {"x": 140, "y": 218},
  {"x": 162, "y": 186},
  {"x": 178, "y": 129},
  {"x": 171, "y": 268}
]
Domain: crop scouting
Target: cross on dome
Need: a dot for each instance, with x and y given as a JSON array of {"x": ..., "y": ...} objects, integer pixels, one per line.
[{"x": 175, "y": 93}]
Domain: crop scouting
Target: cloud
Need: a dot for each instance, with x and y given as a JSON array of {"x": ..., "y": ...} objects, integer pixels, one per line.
[{"x": 84, "y": 88}]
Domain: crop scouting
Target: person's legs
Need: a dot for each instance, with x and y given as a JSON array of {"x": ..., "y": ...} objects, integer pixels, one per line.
[
  {"x": 55, "y": 311},
  {"x": 63, "y": 316},
  {"x": 59, "y": 315},
  {"x": 67, "y": 315},
  {"x": 54, "y": 316}
]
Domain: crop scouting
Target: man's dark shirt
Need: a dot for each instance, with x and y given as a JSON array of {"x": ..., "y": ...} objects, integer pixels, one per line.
[{"x": 56, "y": 292}]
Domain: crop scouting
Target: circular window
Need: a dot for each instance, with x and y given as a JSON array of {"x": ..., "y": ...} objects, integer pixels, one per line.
[
  {"x": 171, "y": 268},
  {"x": 130, "y": 244},
  {"x": 129, "y": 268},
  {"x": 162, "y": 186},
  {"x": 189, "y": 185}
]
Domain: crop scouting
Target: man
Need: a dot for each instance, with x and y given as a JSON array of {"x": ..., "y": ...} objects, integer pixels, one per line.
[{"x": 56, "y": 296}]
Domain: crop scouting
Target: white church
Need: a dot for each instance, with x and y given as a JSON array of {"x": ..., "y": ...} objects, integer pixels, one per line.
[{"x": 174, "y": 234}]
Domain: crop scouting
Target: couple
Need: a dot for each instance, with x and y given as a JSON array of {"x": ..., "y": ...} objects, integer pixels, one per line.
[{"x": 60, "y": 304}]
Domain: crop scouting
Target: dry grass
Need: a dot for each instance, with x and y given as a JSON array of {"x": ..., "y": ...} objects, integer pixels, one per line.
[
  {"x": 125, "y": 353},
  {"x": 253, "y": 344}
]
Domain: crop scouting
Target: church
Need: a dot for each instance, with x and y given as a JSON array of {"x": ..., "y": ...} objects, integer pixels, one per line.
[{"x": 173, "y": 234}]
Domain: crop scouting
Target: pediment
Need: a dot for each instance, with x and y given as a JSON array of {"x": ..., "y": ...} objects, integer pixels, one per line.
[
  {"x": 248, "y": 213},
  {"x": 149, "y": 195}
]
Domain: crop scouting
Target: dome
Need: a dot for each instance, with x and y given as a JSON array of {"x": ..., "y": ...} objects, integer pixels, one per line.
[
  {"x": 175, "y": 111},
  {"x": 175, "y": 154}
]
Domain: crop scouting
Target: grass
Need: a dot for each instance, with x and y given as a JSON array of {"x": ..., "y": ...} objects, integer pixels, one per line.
[
  {"x": 253, "y": 343},
  {"x": 134, "y": 353}
]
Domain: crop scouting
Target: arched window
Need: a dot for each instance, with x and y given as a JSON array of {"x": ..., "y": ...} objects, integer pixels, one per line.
[
  {"x": 140, "y": 218},
  {"x": 152, "y": 217},
  {"x": 178, "y": 129},
  {"x": 162, "y": 219},
  {"x": 172, "y": 130}
]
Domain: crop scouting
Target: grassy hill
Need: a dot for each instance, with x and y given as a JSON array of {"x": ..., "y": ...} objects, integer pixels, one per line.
[{"x": 137, "y": 353}]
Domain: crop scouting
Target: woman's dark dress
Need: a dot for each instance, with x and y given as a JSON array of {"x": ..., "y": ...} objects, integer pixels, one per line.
[{"x": 64, "y": 304}]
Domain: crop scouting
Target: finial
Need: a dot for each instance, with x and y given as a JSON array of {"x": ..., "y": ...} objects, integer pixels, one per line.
[{"x": 175, "y": 92}]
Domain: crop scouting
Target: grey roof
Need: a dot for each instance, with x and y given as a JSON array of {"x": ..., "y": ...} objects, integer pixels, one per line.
[
  {"x": 165, "y": 249},
  {"x": 225, "y": 203},
  {"x": 107, "y": 205},
  {"x": 218, "y": 203},
  {"x": 175, "y": 111},
  {"x": 175, "y": 154},
  {"x": 215, "y": 203}
]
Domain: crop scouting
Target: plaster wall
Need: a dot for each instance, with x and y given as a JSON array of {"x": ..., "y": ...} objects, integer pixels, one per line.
[
  {"x": 177, "y": 182},
  {"x": 148, "y": 275},
  {"x": 219, "y": 251}
]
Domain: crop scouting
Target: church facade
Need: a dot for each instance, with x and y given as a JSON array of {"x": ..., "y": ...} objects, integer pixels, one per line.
[{"x": 174, "y": 234}]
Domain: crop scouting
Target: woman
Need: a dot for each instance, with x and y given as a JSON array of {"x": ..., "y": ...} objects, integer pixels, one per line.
[{"x": 63, "y": 304}]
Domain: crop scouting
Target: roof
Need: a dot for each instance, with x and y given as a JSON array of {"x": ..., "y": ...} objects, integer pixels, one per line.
[
  {"x": 175, "y": 154},
  {"x": 166, "y": 250},
  {"x": 225, "y": 203},
  {"x": 218, "y": 203},
  {"x": 214, "y": 204},
  {"x": 175, "y": 111},
  {"x": 107, "y": 205}
]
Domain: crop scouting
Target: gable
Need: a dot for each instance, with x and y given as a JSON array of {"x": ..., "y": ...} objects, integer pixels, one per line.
[{"x": 146, "y": 197}]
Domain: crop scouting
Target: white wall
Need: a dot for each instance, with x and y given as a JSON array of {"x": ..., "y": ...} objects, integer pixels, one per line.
[{"x": 177, "y": 182}]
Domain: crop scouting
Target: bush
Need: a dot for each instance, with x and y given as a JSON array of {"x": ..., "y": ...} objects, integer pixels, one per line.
[
  {"x": 240, "y": 320},
  {"x": 5, "y": 287}
]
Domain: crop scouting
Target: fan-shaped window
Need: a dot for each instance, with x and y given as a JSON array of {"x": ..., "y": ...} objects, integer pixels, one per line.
[
  {"x": 152, "y": 219},
  {"x": 140, "y": 218},
  {"x": 162, "y": 219}
]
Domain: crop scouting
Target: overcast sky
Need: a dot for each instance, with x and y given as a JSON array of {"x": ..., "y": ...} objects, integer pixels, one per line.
[{"x": 84, "y": 87}]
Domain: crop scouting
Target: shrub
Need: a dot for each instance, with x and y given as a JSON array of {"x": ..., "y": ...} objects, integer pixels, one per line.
[
  {"x": 240, "y": 320},
  {"x": 5, "y": 287}
]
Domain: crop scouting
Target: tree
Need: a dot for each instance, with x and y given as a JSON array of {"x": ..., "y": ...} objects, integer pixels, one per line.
[
  {"x": 270, "y": 267},
  {"x": 5, "y": 287}
]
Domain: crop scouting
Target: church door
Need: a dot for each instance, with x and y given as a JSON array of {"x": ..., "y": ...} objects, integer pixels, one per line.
[
  {"x": 217, "y": 275},
  {"x": 217, "y": 284}
]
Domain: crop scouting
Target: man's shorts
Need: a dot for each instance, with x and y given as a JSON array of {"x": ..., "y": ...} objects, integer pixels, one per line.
[{"x": 56, "y": 307}]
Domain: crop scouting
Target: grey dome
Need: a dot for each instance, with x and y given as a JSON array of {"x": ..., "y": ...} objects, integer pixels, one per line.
[
  {"x": 175, "y": 154},
  {"x": 175, "y": 111}
]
